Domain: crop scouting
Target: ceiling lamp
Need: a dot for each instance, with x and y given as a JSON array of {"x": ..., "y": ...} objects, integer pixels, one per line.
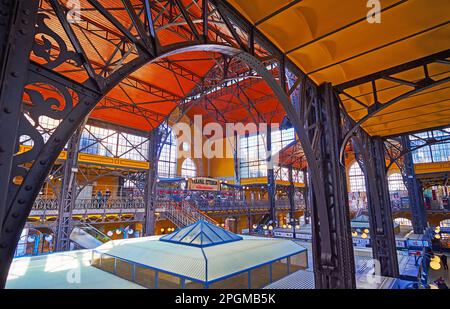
[
  {"x": 289, "y": 226},
  {"x": 255, "y": 226},
  {"x": 110, "y": 233},
  {"x": 284, "y": 226},
  {"x": 363, "y": 235},
  {"x": 366, "y": 231},
  {"x": 354, "y": 234},
  {"x": 270, "y": 227},
  {"x": 436, "y": 259},
  {"x": 437, "y": 236},
  {"x": 435, "y": 265},
  {"x": 118, "y": 232},
  {"x": 264, "y": 227}
]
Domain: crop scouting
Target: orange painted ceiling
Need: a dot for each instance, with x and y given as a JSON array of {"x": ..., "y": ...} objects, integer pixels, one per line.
[{"x": 329, "y": 40}]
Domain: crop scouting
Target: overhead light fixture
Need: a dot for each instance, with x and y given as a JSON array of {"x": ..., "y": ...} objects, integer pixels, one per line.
[
  {"x": 435, "y": 265},
  {"x": 436, "y": 259}
]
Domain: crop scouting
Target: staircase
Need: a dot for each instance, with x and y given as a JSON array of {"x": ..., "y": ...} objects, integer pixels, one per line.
[
  {"x": 182, "y": 214},
  {"x": 264, "y": 221},
  {"x": 87, "y": 237}
]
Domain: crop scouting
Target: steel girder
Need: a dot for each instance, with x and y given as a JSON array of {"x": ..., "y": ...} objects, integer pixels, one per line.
[
  {"x": 397, "y": 150},
  {"x": 16, "y": 34},
  {"x": 271, "y": 185},
  {"x": 306, "y": 195},
  {"x": 425, "y": 83},
  {"x": 154, "y": 150},
  {"x": 68, "y": 193},
  {"x": 291, "y": 193},
  {"x": 415, "y": 191},
  {"x": 369, "y": 153},
  {"x": 332, "y": 242},
  {"x": 236, "y": 163}
]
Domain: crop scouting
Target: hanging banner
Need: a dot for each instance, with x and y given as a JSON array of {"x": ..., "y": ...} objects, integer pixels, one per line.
[{"x": 203, "y": 184}]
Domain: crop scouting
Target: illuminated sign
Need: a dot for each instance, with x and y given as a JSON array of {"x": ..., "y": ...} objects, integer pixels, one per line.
[{"x": 203, "y": 184}]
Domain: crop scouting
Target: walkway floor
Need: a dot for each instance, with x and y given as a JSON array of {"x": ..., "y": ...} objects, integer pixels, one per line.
[
  {"x": 65, "y": 270},
  {"x": 304, "y": 279},
  {"x": 444, "y": 273}
]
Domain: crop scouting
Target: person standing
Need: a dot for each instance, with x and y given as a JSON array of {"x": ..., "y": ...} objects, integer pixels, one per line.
[
  {"x": 107, "y": 196},
  {"x": 99, "y": 198},
  {"x": 444, "y": 261}
]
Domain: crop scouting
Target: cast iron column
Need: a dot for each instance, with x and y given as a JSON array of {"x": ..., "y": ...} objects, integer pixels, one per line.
[
  {"x": 414, "y": 187},
  {"x": 270, "y": 175},
  {"x": 17, "y": 21},
  {"x": 237, "y": 174},
  {"x": 334, "y": 265},
  {"x": 291, "y": 192},
  {"x": 306, "y": 198},
  {"x": 380, "y": 216},
  {"x": 17, "y": 29},
  {"x": 154, "y": 145},
  {"x": 68, "y": 193}
]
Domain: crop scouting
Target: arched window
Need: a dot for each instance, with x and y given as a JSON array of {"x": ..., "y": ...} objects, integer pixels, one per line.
[
  {"x": 188, "y": 168},
  {"x": 167, "y": 164},
  {"x": 445, "y": 223},
  {"x": 395, "y": 181},
  {"x": 403, "y": 221},
  {"x": 356, "y": 178}
]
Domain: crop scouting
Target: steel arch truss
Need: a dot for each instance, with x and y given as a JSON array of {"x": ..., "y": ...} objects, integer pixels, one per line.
[
  {"x": 370, "y": 155},
  {"x": 313, "y": 112},
  {"x": 376, "y": 107}
]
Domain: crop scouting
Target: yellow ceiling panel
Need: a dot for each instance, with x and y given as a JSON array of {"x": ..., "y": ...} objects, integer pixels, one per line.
[
  {"x": 418, "y": 123},
  {"x": 393, "y": 55},
  {"x": 357, "y": 40},
  {"x": 310, "y": 20},
  {"x": 255, "y": 10},
  {"x": 333, "y": 42},
  {"x": 431, "y": 104},
  {"x": 408, "y": 105}
]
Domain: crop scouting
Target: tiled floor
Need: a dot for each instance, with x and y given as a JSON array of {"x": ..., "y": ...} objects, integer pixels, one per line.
[
  {"x": 435, "y": 274},
  {"x": 304, "y": 279}
]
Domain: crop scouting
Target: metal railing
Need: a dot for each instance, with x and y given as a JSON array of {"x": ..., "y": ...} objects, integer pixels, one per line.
[
  {"x": 182, "y": 214},
  {"x": 243, "y": 205},
  {"x": 116, "y": 203},
  {"x": 132, "y": 203}
]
